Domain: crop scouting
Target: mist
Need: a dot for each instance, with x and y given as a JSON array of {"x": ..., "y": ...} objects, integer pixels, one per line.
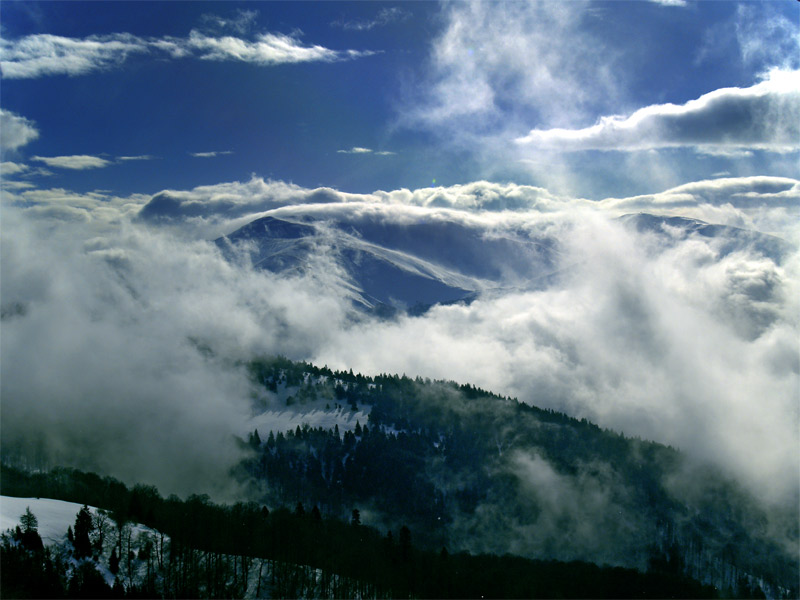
[{"x": 123, "y": 332}]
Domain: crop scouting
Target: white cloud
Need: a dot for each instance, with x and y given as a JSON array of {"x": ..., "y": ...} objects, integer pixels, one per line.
[
  {"x": 210, "y": 154},
  {"x": 384, "y": 17},
  {"x": 679, "y": 3},
  {"x": 139, "y": 157},
  {"x": 268, "y": 49},
  {"x": 765, "y": 116},
  {"x": 43, "y": 54},
  {"x": 12, "y": 168},
  {"x": 16, "y": 185},
  {"x": 15, "y": 130},
  {"x": 766, "y": 38},
  {"x": 499, "y": 62},
  {"x": 355, "y": 150},
  {"x": 242, "y": 22},
  {"x": 76, "y": 162}
]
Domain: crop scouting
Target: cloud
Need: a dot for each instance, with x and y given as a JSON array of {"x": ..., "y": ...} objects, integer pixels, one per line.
[
  {"x": 210, "y": 154},
  {"x": 766, "y": 38},
  {"x": 765, "y": 116},
  {"x": 668, "y": 344},
  {"x": 15, "y": 130},
  {"x": 361, "y": 150},
  {"x": 41, "y": 55},
  {"x": 494, "y": 65},
  {"x": 355, "y": 150},
  {"x": 16, "y": 185},
  {"x": 126, "y": 390},
  {"x": 139, "y": 157},
  {"x": 678, "y": 3},
  {"x": 242, "y": 22},
  {"x": 653, "y": 332},
  {"x": 267, "y": 49},
  {"x": 12, "y": 168},
  {"x": 78, "y": 162},
  {"x": 44, "y": 54},
  {"x": 384, "y": 17}
]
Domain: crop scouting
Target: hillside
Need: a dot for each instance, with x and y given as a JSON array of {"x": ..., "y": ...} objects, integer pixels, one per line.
[
  {"x": 248, "y": 551},
  {"x": 474, "y": 471}
]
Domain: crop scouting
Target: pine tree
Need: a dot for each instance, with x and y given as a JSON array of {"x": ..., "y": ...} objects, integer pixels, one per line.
[
  {"x": 356, "y": 520},
  {"x": 113, "y": 562},
  {"x": 29, "y": 521},
  {"x": 83, "y": 527}
]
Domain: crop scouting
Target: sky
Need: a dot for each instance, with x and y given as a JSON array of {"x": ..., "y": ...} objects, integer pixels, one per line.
[
  {"x": 553, "y": 117},
  {"x": 379, "y": 96}
]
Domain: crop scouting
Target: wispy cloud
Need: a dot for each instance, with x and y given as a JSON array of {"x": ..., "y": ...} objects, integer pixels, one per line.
[
  {"x": 44, "y": 54},
  {"x": 12, "y": 168},
  {"x": 355, "y": 150},
  {"x": 15, "y": 130},
  {"x": 242, "y": 22},
  {"x": 361, "y": 150},
  {"x": 765, "y": 116},
  {"x": 679, "y": 3},
  {"x": 492, "y": 63},
  {"x": 140, "y": 157},
  {"x": 384, "y": 17},
  {"x": 210, "y": 154},
  {"x": 77, "y": 162},
  {"x": 40, "y": 55}
]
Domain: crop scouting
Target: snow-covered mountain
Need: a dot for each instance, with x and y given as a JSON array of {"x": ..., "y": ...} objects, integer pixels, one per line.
[
  {"x": 401, "y": 265},
  {"x": 730, "y": 239},
  {"x": 397, "y": 266}
]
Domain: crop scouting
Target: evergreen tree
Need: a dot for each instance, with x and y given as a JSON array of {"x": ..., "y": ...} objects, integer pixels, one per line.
[
  {"x": 356, "y": 520},
  {"x": 83, "y": 528},
  {"x": 29, "y": 521},
  {"x": 113, "y": 562}
]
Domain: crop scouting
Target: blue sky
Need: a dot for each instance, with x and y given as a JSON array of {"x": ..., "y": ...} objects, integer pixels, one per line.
[{"x": 204, "y": 93}]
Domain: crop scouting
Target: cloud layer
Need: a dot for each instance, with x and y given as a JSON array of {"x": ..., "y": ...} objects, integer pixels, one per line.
[{"x": 654, "y": 332}]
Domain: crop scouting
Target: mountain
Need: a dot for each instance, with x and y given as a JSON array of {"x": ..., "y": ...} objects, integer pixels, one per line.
[
  {"x": 389, "y": 266},
  {"x": 474, "y": 471},
  {"x": 730, "y": 239}
]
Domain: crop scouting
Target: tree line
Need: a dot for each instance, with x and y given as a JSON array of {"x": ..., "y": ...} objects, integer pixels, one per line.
[{"x": 214, "y": 551}]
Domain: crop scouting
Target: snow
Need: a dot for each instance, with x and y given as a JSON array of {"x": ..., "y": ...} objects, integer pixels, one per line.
[
  {"x": 54, "y": 516},
  {"x": 282, "y": 421}
]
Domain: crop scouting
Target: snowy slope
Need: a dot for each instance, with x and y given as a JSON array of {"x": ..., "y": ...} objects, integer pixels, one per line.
[
  {"x": 403, "y": 266},
  {"x": 412, "y": 265},
  {"x": 54, "y": 516},
  {"x": 729, "y": 239}
]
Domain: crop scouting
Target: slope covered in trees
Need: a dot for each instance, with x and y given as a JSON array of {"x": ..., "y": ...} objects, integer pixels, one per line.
[
  {"x": 245, "y": 550},
  {"x": 474, "y": 471}
]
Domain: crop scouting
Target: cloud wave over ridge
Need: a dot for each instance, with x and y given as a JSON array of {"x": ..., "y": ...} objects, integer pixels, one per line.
[{"x": 681, "y": 337}]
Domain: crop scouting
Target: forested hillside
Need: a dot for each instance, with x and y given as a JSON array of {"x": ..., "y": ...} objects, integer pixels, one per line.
[
  {"x": 474, "y": 471},
  {"x": 198, "y": 549}
]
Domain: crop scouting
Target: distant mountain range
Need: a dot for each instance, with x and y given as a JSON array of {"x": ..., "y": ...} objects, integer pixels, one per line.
[{"x": 388, "y": 267}]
